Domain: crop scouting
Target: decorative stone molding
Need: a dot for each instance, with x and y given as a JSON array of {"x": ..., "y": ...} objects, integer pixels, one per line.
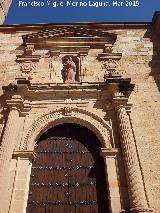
[
  {"x": 75, "y": 115},
  {"x": 137, "y": 194},
  {"x": 70, "y": 36},
  {"x": 54, "y": 54},
  {"x": 25, "y": 74},
  {"x": 121, "y": 87},
  {"x": 28, "y": 55},
  {"x": 23, "y": 154},
  {"x": 110, "y": 62},
  {"x": 108, "y": 48},
  {"x": 25, "y": 58},
  {"x": 67, "y": 111},
  {"x": 27, "y": 66},
  {"x": 15, "y": 102},
  {"x": 73, "y": 41},
  {"x": 29, "y": 49},
  {"x": 108, "y": 152},
  {"x": 82, "y": 56}
]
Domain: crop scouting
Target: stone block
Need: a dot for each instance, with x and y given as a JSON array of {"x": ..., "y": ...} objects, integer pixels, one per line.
[{"x": 19, "y": 194}]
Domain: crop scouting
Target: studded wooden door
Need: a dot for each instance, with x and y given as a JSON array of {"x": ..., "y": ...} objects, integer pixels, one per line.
[{"x": 65, "y": 178}]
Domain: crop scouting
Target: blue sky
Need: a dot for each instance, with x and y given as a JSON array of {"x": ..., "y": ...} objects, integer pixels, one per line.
[{"x": 67, "y": 14}]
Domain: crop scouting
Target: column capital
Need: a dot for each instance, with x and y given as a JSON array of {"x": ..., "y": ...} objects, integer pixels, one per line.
[
  {"x": 83, "y": 53},
  {"x": 15, "y": 102},
  {"x": 139, "y": 210},
  {"x": 18, "y": 103},
  {"x": 110, "y": 153},
  {"x": 121, "y": 102},
  {"x": 24, "y": 154}
]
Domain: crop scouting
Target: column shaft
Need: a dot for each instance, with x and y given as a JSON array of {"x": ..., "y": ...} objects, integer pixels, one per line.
[
  {"x": 6, "y": 150},
  {"x": 138, "y": 201}
]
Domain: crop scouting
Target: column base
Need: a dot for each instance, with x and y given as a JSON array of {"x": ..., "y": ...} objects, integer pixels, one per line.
[
  {"x": 138, "y": 210},
  {"x": 124, "y": 211}
]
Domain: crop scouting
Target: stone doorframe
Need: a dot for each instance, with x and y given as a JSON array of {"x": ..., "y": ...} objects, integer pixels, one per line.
[
  {"x": 137, "y": 193},
  {"x": 64, "y": 115}
]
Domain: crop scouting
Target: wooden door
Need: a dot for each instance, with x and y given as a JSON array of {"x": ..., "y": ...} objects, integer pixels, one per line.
[{"x": 66, "y": 178}]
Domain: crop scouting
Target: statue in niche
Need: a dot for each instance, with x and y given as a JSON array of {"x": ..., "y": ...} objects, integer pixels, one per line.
[{"x": 69, "y": 70}]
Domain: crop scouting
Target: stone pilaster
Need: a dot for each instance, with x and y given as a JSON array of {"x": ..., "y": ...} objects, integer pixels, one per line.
[
  {"x": 21, "y": 181},
  {"x": 137, "y": 195},
  {"x": 6, "y": 149},
  {"x": 110, "y": 159}
]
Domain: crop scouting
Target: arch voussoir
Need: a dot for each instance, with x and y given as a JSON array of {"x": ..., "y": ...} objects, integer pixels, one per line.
[{"x": 68, "y": 115}]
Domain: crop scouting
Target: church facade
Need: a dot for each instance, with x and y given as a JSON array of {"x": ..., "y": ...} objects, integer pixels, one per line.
[{"x": 79, "y": 118}]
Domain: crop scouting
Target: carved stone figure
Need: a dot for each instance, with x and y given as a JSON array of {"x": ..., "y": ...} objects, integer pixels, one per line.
[{"x": 69, "y": 70}]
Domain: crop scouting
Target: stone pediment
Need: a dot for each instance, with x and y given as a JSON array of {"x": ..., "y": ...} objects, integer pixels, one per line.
[
  {"x": 70, "y": 35},
  {"x": 85, "y": 51}
]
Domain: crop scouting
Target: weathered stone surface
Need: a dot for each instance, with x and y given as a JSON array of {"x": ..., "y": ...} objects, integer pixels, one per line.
[{"x": 47, "y": 98}]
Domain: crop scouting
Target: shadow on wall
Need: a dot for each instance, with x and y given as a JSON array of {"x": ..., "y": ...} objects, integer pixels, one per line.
[
  {"x": 155, "y": 62},
  {"x": 3, "y": 118}
]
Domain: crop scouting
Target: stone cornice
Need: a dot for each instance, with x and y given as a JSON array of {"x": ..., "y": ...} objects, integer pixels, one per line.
[
  {"x": 105, "y": 152},
  {"x": 70, "y": 36},
  {"x": 107, "y": 56},
  {"x": 120, "y": 102},
  {"x": 16, "y": 102},
  {"x": 111, "y": 86},
  {"x": 107, "y": 26},
  {"x": 23, "y": 154},
  {"x": 31, "y": 58}
]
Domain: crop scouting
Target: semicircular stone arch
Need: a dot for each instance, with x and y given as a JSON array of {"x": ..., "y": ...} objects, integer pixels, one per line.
[{"x": 68, "y": 115}]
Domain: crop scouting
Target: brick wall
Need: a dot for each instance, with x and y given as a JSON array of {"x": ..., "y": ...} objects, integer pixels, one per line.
[{"x": 141, "y": 62}]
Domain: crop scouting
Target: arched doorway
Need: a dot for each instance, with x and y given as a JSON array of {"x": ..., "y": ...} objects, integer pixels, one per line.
[{"x": 68, "y": 174}]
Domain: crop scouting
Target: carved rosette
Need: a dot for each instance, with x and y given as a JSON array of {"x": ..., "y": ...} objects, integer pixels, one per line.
[
  {"x": 67, "y": 111},
  {"x": 137, "y": 194},
  {"x": 110, "y": 64},
  {"x": 110, "y": 61},
  {"x": 27, "y": 62},
  {"x": 27, "y": 67}
]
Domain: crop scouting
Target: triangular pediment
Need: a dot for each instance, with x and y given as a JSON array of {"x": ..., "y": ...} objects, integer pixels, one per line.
[{"x": 69, "y": 34}]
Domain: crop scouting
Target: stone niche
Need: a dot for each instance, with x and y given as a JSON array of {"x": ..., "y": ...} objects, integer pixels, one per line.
[
  {"x": 52, "y": 55},
  {"x": 71, "y": 74}
]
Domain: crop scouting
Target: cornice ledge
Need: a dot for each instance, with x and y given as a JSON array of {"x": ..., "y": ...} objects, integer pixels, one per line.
[
  {"x": 29, "y": 154},
  {"x": 121, "y": 102},
  {"x": 105, "y": 152},
  {"x": 144, "y": 210}
]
